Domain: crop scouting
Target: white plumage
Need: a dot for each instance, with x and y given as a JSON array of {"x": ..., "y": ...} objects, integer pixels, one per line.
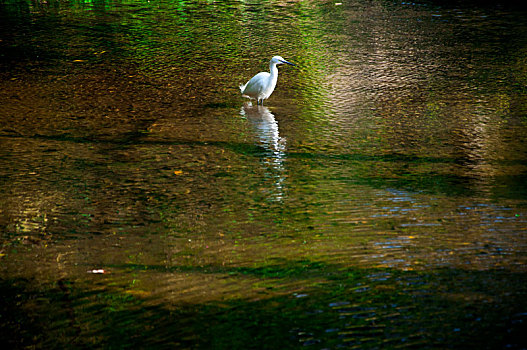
[{"x": 262, "y": 85}]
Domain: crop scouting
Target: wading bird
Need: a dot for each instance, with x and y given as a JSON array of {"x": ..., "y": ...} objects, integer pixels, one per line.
[{"x": 261, "y": 86}]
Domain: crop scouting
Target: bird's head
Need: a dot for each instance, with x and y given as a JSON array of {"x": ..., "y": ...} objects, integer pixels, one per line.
[{"x": 280, "y": 60}]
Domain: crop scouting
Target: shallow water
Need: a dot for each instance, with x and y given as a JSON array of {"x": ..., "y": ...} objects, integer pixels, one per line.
[{"x": 376, "y": 200}]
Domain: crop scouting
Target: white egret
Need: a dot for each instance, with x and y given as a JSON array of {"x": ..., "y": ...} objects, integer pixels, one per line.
[{"x": 262, "y": 85}]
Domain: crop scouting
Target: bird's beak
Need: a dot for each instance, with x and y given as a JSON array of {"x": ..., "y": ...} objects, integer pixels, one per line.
[{"x": 292, "y": 64}]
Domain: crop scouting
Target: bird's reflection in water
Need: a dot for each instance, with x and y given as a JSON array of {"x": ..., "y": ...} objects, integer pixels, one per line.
[{"x": 273, "y": 147}]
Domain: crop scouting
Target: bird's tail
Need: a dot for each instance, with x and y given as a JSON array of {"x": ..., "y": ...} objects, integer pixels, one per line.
[{"x": 242, "y": 87}]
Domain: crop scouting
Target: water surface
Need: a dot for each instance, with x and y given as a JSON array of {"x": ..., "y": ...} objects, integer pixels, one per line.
[{"x": 376, "y": 200}]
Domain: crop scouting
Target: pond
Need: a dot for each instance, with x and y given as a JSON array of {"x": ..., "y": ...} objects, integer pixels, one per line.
[{"x": 378, "y": 198}]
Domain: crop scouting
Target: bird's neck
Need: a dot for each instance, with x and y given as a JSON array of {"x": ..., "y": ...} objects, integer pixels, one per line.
[{"x": 274, "y": 70}]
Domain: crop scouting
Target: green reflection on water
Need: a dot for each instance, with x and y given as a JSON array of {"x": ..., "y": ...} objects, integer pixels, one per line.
[{"x": 354, "y": 307}]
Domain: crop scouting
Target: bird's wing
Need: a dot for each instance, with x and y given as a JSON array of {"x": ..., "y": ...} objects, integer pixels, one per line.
[
  {"x": 256, "y": 83},
  {"x": 242, "y": 87}
]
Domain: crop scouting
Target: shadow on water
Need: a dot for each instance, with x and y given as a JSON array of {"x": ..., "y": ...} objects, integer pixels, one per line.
[
  {"x": 333, "y": 307},
  {"x": 271, "y": 148}
]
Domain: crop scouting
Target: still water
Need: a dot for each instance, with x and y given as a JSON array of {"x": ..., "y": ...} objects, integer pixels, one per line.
[{"x": 377, "y": 200}]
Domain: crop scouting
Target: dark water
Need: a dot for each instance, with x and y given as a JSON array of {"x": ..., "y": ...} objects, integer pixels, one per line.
[{"x": 377, "y": 200}]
